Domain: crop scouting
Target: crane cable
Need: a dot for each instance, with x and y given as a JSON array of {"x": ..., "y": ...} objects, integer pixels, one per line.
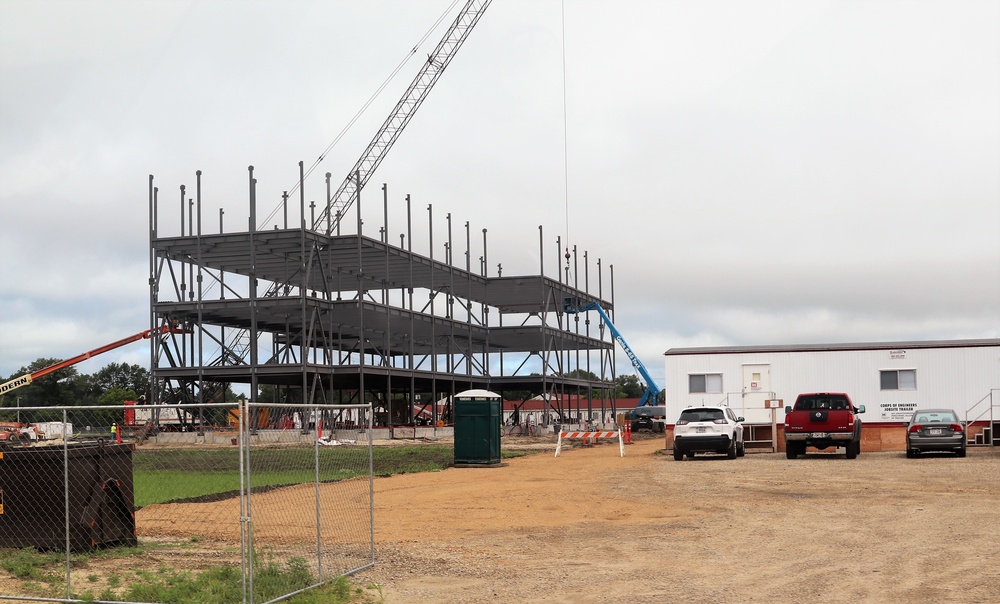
[
  {"x": 378, "y": 92},
  {"x": 565, "y": 135}
]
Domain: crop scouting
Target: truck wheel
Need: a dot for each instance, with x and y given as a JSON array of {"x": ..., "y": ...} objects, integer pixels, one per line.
[
  {"x": 853, "y": 449},
  {"x": 790, "y": 451},
  {"x": 678, "y": 454}
]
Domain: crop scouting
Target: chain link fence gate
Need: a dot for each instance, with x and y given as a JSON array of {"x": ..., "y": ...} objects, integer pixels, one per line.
[{"x": 105, "y": 503}]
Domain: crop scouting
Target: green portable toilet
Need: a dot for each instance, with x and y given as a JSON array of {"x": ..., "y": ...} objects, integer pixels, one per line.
[{"x": 477, "y": 428}]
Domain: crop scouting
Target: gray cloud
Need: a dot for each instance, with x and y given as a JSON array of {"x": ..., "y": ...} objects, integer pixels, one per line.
[{"x": 756, "y": 172}]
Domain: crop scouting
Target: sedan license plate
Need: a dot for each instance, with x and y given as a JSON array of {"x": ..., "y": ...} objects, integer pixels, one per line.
[
  {"x": 936, "y": 431},
  {"x": 819, "y": 435}
]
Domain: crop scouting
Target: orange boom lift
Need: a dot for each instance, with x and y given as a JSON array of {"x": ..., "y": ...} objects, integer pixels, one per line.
[{"x": 27, "y": 378}]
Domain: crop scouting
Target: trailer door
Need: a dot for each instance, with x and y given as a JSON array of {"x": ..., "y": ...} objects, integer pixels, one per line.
[{"x": 756, "y": 390}]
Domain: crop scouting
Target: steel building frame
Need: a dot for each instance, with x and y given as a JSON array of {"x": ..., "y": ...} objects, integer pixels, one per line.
[{"x": 344, "y": 317}]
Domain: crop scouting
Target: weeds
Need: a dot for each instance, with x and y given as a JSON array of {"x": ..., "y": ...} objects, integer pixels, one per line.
[
  {"x": 217, "y": 585},
  {"x": 28, "y": 563}
]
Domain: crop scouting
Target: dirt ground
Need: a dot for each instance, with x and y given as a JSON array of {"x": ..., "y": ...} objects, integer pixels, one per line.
[{"x": 590, "y": 526}]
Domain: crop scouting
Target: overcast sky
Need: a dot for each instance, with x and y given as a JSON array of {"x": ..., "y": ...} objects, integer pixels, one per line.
[{"x": 756, "y": 172}]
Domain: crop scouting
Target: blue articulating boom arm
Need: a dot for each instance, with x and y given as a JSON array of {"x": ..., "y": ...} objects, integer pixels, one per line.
[{"x": 572, "y": 305}]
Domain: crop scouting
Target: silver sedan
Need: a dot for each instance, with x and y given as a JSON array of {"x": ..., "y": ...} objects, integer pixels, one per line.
[{"x": 935, "y": 430}]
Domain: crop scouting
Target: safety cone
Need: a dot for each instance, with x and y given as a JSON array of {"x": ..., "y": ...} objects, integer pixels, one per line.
[{"x": 628, "y": 432}]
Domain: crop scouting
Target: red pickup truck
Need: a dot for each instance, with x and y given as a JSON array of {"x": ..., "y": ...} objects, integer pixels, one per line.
[{"x": 821, "y": 420}]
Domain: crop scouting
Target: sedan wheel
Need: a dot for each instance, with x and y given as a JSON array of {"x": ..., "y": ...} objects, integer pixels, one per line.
[{"x": 961, "y": 452}]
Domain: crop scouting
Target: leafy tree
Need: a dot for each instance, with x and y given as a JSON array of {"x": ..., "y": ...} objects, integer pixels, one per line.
[
  {"x": 213, "y": 392},
  {"x": 113, "y": 397},
  {"x": 80, "y": 390},
  {"x": 269, "y": 393},
  {"x": 516, "y": 395},
  {"x": 116, "y": 396},
  {"x": 46, "y": 391},
  {"x": 629, "y": 386},
  {"x": 583, "y": 374},
  {"x": 122, "y": 376},
  {"x": 229, "y": 396}
]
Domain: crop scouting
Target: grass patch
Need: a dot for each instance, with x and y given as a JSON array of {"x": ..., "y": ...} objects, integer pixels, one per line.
[
  {"x": 43, "y": 575},
  {"x": 186, "y": 475},
  {"x": 28, "y": 563}
]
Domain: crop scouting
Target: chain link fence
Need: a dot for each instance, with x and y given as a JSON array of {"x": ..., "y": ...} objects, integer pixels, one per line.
[{"x": 113, "y": 498}]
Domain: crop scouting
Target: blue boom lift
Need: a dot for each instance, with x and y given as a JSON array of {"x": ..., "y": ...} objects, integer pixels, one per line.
[{"x": 573, "y": 305}]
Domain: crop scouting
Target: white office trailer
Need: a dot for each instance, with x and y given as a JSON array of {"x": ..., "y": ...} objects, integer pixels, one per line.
[{"x": 890, "y": 379}]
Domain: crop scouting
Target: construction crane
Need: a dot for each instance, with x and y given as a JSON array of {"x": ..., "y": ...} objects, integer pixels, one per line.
[
  {"x": 573, "y": 305},
  {"x": 27, "y": 378},
  {"x": 359, "y": 175},
  {"x": 401, "y": 115}
]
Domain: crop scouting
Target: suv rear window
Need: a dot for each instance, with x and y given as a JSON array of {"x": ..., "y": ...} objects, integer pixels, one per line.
[
  {"x": 701, "y": 415},
  {"x": 823, "y": 402}
]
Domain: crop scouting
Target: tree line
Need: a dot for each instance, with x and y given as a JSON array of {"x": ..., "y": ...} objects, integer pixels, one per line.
[
  {"x": 623, "y": 386},
  {"x": 116, "y": 383},
  {"x": 111, "y": 385}
]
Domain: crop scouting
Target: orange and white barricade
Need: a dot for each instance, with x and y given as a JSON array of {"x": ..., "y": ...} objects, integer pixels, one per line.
[{"x": 595, "y": 435}]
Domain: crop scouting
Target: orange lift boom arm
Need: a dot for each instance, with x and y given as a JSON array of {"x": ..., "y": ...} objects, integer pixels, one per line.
[{"x": 27, "y": 378}]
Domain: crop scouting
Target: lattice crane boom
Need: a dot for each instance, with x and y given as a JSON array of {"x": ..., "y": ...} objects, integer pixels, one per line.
[{"x": 401, "y": 115}]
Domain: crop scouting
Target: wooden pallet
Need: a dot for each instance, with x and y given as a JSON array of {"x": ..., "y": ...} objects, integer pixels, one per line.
[{"x": 144, "y": 433}]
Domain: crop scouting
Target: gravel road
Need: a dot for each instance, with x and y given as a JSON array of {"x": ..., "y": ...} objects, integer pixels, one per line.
[
  {"x": 590, "y": 526},
  {"x": 593, "y": 527}
]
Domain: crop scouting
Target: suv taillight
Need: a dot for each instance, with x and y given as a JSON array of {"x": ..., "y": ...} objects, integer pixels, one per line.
[
  {"x": 719, "y": 421},
  {"x": 682, "y": 422}
]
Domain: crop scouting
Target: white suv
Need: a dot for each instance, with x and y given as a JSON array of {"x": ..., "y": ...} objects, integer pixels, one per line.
[{"x": 708, "y": 430}]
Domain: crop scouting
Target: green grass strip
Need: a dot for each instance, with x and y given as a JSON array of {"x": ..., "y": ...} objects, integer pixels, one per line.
[{"x": 178, "y": 475}]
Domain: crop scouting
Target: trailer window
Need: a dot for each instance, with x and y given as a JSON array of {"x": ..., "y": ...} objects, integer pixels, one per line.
[
  {"x": 898, "y": 379},
  {"x": 705, "y": 383}
]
